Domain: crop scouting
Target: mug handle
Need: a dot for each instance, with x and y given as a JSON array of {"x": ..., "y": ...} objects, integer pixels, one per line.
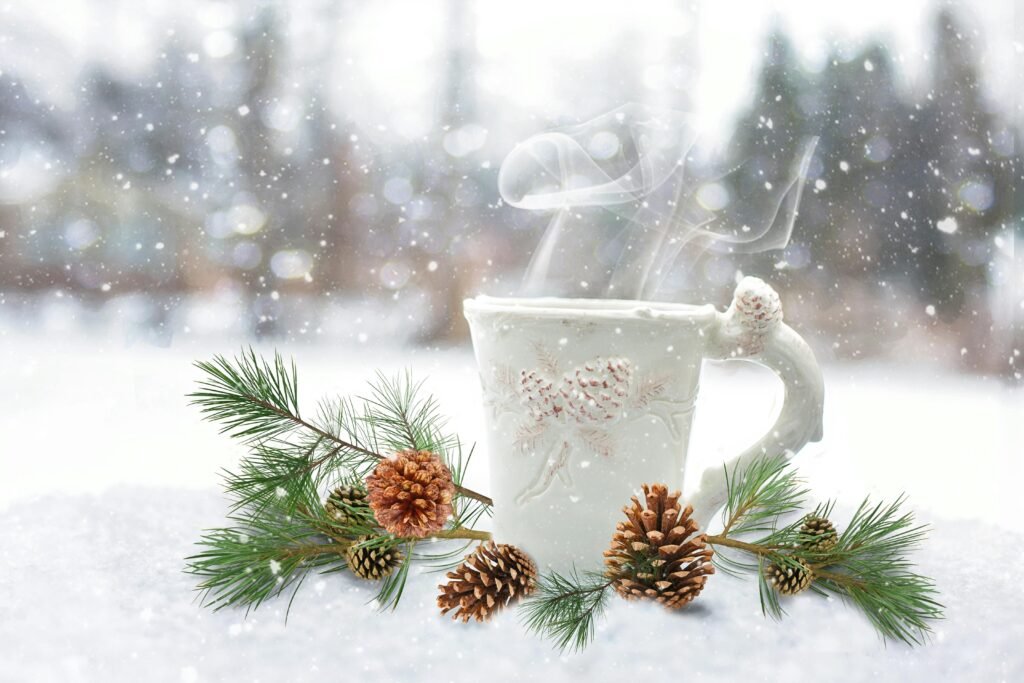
[{"x": 752, "y": 329}]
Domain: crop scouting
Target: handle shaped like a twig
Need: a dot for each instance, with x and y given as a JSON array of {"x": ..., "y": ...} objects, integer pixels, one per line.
[{"x": 752, "y": 329}]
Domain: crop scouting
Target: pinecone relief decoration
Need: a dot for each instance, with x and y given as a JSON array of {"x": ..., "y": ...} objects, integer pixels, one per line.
[
  {"x": 489, "y": 578},
  {"x": 755, "y": 310},
  {"x": 344, "y": 502},
  {"x": 654, "y": 554},
  {"x": 598, "y": 390},
  {"x": 818, "y": 534},
  {"x": 790, "y": 578},
  {"x": 372, "y": 562},
  {"x": 410, "y": 493}
]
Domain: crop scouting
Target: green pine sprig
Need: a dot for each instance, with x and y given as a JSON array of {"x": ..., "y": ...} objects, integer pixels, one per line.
[
  {"x": 565, "y": 608},
  {"x": 253, "y": 399},
  {"x": 279, "y": 532},
  {"x": 868, "y": 566}
]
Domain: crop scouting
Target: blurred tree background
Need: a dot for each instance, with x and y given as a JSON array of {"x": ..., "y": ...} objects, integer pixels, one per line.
[{"x": 229, "y": 189}]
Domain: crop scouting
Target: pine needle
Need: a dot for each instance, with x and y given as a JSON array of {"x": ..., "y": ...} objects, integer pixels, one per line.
[{"x": 565, "y": 608}]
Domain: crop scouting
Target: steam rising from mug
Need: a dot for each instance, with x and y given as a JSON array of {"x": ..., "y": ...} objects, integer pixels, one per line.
[{"x": 661, "y": 199}]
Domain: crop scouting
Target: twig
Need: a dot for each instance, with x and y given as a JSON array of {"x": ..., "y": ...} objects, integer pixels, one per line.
[
  {"x": 754, "y": 548},
  {"x": 469, "y": 534}
]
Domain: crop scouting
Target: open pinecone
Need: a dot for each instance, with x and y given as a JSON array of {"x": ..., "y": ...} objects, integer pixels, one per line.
[
  {"x": 343, "y": 501},
  {"x": 819, "y": 534},
  {"x": 654, "y": 553},
  {"x": 488, "y": 579},
  {"x": 787, "y": 579},
  {"x": 410, "y": 493},
  {"x": 372, "y": 563}
]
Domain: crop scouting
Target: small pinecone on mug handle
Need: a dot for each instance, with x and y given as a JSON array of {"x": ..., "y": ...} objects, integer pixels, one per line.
[{"x": 489, "y": 578}]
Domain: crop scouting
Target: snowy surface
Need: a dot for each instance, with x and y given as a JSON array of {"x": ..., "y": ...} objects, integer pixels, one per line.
[{"x": 106, "y": 478}]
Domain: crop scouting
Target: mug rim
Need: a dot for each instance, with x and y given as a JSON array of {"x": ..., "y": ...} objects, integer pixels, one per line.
[{"x": 601, "y": 308}]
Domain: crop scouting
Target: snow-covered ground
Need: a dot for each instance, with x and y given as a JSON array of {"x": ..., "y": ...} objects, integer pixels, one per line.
[{"x": 107, "y": 476}]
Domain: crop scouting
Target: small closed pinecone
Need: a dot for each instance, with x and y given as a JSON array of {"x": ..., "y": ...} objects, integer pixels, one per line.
[
  {"x": 488, "y": 579},
  {"x": 410, "y": 493},
  {"x": 343, "y": 501},
  {"x": 374, "y": 562},
  {"x": 789, "y": 579},
  {"x": 655, "y": 554},
  {"x": 818, "y": 534}
]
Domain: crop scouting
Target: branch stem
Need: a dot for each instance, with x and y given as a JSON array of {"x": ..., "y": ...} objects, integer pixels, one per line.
[
  {"x": 316, "y": 549},
  {"x": 470, "y": 534},
  {"x": 757, "y": 549},
  {"x": 725, "y": 541},
  {"x": 835, "y": 577}
]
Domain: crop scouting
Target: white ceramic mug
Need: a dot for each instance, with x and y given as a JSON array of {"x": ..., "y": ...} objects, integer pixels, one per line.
[{"x": 588, "y": 399}]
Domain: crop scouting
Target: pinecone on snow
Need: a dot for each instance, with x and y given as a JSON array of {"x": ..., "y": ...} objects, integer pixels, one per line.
[
  {"x": 489, "y": 578},
  {"x": 374, "y": 562},
  {"x": 818, "y": 534},
  {"x": 654, "y": 554},
  {"x": 410, "y": 493},
  {"x": 344, "y": 504},
  {"x": 790, "y": 579},
  {"x": 597, "y": 391}
]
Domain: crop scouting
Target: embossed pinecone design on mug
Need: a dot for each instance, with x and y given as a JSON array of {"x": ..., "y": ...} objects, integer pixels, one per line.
[
  {"x": 590, "y": 397},
  {"x": 597, "y": 391}
]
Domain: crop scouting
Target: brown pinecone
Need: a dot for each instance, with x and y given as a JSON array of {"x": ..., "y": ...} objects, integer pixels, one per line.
[
  {"x": 410, "y": 493},
  {"x": 372, "y": 563},
  {"x": 654, "y": 554},
  {"x": 788, "y": 579},
  {"x": 818, "y": 534},
  {"x": 342, "y": 503},
  {"x": 488, "y": 579}
]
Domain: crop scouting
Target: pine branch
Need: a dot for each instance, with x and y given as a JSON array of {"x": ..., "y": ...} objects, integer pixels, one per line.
[
  {"x": 565, "y": 608},
  {"x": 257, "y": 402},
  {"x": 761, "y": 493},
  {"x": 254, "y": 400},
  {"x": 259, "y": 559},
  {"x": 262, "y": 555},
  {"x": 867, "y": 567}
]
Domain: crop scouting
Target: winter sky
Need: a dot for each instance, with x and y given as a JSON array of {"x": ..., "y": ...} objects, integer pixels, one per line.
[{"x": 527, "y": 41}]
